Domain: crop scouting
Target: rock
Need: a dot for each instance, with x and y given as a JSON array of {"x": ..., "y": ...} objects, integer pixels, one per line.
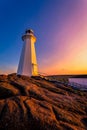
[{"x": 38, "y": 104}]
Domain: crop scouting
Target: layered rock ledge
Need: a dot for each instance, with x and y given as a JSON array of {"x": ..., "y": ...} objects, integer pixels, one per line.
[{"x": 38, "y": 104}]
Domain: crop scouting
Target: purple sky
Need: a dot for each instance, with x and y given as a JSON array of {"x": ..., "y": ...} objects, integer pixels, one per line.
[{"x": 61, "y": 30}]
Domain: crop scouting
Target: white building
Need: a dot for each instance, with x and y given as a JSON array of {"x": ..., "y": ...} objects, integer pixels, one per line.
[{"x": 28, "y": 63}]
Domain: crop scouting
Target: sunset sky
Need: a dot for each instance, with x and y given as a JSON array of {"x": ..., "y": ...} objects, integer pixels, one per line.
[{"x": 61, "y": 30}]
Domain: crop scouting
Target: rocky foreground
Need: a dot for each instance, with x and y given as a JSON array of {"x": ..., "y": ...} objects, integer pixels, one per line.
[{"x": 38, "y": 104}]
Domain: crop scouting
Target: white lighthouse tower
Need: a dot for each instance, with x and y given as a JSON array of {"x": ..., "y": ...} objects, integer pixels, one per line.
[{"x": 28, "y": 63}]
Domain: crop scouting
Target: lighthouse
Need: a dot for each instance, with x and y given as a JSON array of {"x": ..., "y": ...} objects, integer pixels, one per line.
[{"x": 28, "y": 62}]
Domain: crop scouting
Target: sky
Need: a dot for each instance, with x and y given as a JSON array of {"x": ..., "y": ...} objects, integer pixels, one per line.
[{"x": 61, "y": 30}]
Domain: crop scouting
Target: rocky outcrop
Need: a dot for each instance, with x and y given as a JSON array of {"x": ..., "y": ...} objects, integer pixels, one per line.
[{"x": 38, "y": 104}]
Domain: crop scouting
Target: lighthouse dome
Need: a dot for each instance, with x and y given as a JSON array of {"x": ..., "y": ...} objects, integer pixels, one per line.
[{"x": 30, "y": 31}]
